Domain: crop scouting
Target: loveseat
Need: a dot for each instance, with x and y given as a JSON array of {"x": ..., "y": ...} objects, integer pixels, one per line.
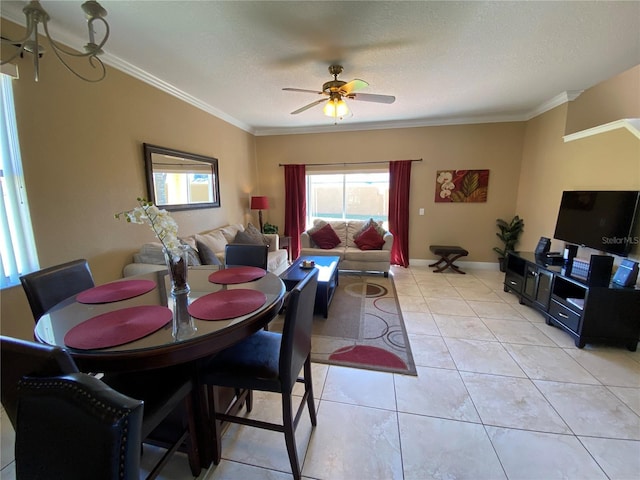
[
  {"x": 359, "y": 248},
  {"x": 208, "y": 248}
]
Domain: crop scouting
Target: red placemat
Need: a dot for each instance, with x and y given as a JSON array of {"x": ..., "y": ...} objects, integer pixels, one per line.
[
  {"x": 227, "y": 304},
  {"x": 115, "y": 291},
  {"x": 118, "y": 327},
  {"x": 237, "y": 275}
]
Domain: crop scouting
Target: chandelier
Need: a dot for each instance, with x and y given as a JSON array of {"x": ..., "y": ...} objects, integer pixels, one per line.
[{"x": 30, "y": 43}]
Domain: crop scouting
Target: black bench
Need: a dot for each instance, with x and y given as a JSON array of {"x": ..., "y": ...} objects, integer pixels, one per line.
[{"x": 448, "y": 254}]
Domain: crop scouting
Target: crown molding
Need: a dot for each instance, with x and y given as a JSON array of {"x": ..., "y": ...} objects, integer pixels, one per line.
[
  {"x": 562, "y": 98},
  {"x": 631, "y": 124},
  {"x": 166, "y": 87}
]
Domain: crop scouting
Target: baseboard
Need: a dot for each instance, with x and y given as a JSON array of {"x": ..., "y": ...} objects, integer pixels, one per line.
[{"x": 421, "y": 262}]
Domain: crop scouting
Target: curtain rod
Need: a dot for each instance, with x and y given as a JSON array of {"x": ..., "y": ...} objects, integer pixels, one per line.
[{"x": 344, "y": 164}]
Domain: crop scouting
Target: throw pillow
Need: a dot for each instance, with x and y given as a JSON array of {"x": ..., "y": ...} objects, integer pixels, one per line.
[
  {"x": 246, "y": 238},
  {"x": 256, "y": 233},
  {"x": 317, "y": 225},
  {"x": 207, "y": 256},
  {"x": 325, "y": 238},
  {"x": 370, "y": 223},
  {"x": 215, "y": 240},
  {"x": 370, "y": 239}
]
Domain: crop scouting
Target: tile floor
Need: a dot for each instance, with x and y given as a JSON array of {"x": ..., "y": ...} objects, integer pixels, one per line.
[{"x": 499, "y": 394}]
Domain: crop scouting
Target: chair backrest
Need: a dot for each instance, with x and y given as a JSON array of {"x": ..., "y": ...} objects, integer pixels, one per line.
[
  {"x": 20, "y": 358},
  {"x": 238, "y": 254},
  {"x": 75, "y": 427},
  {"x": 295, "y": 346},
  {"x": 49, "y": 286}
]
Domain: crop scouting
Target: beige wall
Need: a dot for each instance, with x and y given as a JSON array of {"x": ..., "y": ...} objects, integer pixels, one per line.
[
  {"x": 604, "y": 103},
  {"x": 606, "y": 161},
  {"x": 82, "y": 154},
  {"x": 497, "y": 147}
]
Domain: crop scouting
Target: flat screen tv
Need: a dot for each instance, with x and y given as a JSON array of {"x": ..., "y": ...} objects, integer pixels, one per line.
[{"x": 602, "y": 220}]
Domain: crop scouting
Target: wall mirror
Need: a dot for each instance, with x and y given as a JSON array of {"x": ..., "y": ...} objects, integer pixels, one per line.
[{"x": 180, "y": 180}]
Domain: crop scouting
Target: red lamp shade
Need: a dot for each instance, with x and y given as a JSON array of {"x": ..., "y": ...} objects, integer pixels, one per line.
[{"x": 259, "y": 203}]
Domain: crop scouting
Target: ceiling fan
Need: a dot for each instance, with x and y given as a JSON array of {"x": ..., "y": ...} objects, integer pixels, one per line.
[{"x": 337, "y": 91}]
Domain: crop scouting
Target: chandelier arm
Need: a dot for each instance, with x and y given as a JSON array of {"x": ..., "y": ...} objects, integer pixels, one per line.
[
  {"x": 95, "y": 49},
  {"x": 91, "y": 62},
  {"x": 18, "y": 44}
]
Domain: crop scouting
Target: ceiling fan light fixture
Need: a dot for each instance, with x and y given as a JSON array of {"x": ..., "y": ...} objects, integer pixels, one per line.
[{"x": 336, "y": 108}]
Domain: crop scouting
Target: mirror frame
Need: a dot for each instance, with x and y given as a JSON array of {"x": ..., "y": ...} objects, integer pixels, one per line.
[{"x": 149, "y": 150}]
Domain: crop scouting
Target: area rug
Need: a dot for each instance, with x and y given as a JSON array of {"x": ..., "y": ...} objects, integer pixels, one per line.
[{"x": 364, "y": 328}]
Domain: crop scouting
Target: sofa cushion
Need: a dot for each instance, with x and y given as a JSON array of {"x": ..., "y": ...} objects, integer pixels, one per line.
[
  {"x": 230, "y": 231},
  {"x": 370, "y": 239},
  {"x": 215, "y": 240},
  {"x": 326, "y": 237},
  {"x": 207, "y": 256},
  {"x": 354, "y": 254},
  {"x": 319, "y": 252},
  {"x": 152, "y": 253}
]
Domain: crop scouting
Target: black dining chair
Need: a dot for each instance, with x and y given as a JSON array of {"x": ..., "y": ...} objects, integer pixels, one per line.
[
  {"x": 164, "y": 391},
  {"x": 49, "y": 286},
  {"x": 269, "y": 361},
  {"x": 239, "y": 254},
  {"x": 74, "y": 427}
]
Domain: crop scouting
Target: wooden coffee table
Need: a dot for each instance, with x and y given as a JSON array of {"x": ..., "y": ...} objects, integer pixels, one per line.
[{"x": 327, "y": 279}]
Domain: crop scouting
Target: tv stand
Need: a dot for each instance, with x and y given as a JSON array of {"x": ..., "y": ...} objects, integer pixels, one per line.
[{"x": 589, "y": 313}]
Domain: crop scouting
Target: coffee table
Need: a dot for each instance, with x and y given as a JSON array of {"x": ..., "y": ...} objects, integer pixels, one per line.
[{"x": 327, "y": 278}]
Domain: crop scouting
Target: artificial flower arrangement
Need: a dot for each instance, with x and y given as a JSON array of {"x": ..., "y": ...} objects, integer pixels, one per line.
[
  {"x": 162, "y": 224},
  {"x": 166, "y": 230}
]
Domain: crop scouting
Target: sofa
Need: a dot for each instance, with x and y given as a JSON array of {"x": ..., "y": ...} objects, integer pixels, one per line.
[
  {"x": 208, "y": 249},
  {"x": 355, "y": 253}
]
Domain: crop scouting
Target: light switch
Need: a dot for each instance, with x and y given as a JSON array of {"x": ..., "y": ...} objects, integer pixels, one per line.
[{"x": 421, "y": 211}]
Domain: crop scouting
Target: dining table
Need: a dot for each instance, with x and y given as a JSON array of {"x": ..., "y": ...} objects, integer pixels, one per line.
[{"x": 126, "y": 325}]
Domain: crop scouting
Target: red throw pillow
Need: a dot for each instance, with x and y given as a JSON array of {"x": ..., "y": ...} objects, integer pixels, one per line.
[
  {"x": 370, "y": 239},
  {"x": 325, "y": 238}
]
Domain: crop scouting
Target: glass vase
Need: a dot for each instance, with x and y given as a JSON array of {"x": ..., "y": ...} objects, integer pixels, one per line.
[
  {"x": 177, "y": 264},
  {"x": 183, "y": 326}
]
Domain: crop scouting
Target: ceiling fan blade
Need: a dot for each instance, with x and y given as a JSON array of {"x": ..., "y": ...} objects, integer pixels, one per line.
[
  {"x": 371, "y": 97},
  {"x": 302, "y": 90},
  {"x": 307, "y": 107},
  {"x": 352, "y": 86}
]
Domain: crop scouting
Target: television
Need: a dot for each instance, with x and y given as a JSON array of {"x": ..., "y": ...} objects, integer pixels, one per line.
[{"x": 602, "y": 220}]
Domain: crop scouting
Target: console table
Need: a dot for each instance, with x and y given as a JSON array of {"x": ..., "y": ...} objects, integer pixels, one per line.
[{"x": 588, "y": 313}]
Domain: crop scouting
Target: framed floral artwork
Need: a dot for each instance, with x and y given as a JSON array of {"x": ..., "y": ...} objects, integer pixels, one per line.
[{"x": 461, "y": 186}]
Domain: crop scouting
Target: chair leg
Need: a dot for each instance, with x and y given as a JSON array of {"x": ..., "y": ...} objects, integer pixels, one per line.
[
  {"x": 308, "y": 386},
  {"x": 216, "y": 441},
  {"x": 193, "y": 453},
  {"x": 289, "y": 435},
  {"x": 249, "y": 401}
]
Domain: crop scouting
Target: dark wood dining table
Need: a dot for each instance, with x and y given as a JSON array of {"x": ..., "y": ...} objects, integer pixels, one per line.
[{"x": 159, "y": 349}]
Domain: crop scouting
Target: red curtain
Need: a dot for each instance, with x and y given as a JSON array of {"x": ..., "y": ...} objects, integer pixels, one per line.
[
  {"x": 295, "y": 210},
  {"x": 399, "y": 183}
]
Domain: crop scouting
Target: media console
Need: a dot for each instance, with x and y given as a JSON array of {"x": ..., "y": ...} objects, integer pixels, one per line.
[{"x": 589, "y": 309}]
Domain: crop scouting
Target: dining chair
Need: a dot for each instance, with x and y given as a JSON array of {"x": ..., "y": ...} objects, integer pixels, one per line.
[
  {"x": 164, "y": 392},
  {"x": 239, "y": 254},
  {"x": 73, "y": 427},
  {"x": 49, "y": 286},
  {"x": 268, "y": 361}
]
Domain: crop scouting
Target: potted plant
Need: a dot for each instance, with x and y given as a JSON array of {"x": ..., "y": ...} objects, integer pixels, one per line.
[{"x": 509, "y": 234}]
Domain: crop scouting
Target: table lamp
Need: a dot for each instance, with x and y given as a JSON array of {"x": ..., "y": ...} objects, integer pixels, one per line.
[{"x": 260, "y": 203}]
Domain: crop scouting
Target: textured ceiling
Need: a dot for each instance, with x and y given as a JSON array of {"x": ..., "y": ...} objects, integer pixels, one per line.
[{"x": 446, "y": 62}]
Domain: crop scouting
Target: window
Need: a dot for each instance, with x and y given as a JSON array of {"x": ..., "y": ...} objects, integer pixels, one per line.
[
  {"x": 18, "y": 254},
  {"x": 348, "y": 196}
]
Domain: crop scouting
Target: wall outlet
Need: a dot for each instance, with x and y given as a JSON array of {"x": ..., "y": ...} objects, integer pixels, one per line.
[{"x": 421, "y": 211}]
